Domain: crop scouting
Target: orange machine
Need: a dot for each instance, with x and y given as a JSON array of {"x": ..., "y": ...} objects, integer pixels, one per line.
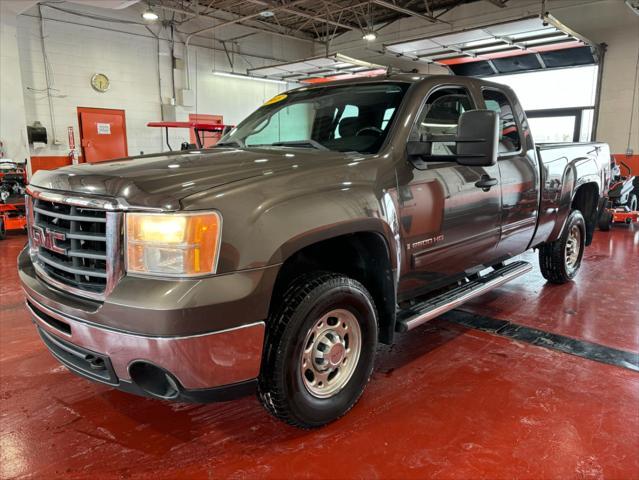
[
  {"x": 197, "y": 128},
  {"x": 13, "y": 179}
]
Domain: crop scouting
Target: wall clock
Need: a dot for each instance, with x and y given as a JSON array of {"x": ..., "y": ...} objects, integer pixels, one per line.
[{"x": 100, "y": 82}]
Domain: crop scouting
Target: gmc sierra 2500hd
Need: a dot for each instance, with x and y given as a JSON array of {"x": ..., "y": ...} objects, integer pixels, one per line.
[{"x": 330, "y": 219}]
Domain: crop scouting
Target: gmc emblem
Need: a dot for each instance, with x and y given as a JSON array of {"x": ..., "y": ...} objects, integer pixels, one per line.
[{"x": 46, "y": 238}]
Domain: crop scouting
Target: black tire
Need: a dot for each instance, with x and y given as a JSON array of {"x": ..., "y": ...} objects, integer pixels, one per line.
[
  {"x": 605, "y": 221},
  {"x": 3, "y": 231},
  {"x": 552, "y": 256},
  {"x": 282, "y": 389},
  {"x": 632, "y": 202}
]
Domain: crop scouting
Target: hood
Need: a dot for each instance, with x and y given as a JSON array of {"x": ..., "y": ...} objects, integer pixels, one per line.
[{"x": 161, "y": 181}]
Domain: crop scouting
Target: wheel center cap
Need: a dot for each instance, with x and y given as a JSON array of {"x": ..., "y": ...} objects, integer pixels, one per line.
[{"x": 336, "y": 354}]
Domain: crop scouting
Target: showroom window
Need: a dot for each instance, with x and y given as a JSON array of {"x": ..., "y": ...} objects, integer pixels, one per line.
[{"x": 559, "y": 103}]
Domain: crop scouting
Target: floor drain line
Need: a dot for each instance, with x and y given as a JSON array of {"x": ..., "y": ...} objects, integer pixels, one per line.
[{"x": 541, "y": 338}]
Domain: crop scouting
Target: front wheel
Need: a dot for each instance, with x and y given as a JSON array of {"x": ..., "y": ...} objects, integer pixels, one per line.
[
  {"x": 319, "y": 350},
  {"x": 560, "y": 260}
]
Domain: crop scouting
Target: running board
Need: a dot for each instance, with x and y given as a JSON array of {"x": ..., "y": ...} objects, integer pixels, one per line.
[{"x": 434, "y": 307}]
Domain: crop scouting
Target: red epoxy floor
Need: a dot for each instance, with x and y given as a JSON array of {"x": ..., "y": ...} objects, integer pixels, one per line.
[{"x": 444, "y": 402}]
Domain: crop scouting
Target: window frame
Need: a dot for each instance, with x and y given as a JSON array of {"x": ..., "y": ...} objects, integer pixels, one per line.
[
  {"x": 518, "y": 152},
  {"x": 432, "y": 91}
]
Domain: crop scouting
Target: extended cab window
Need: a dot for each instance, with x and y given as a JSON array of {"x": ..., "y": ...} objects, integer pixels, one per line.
[
  {"x": 349, "y": 118},
  {"x": 509, "y": 133},
  {"x": 440, "y": 116}
]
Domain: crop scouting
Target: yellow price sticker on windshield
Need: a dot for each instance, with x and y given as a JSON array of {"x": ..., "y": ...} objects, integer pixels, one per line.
[{"x": 275, "y": 99}]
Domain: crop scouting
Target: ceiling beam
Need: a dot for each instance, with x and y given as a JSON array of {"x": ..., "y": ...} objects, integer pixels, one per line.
[
  {"x": 299, "y": 13},
  {"x": 405, "y": 11},
  {"x": 243, "y": 23}
]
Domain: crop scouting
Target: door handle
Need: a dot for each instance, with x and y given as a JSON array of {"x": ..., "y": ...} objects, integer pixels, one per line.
[{"x": 486, "y": 183}]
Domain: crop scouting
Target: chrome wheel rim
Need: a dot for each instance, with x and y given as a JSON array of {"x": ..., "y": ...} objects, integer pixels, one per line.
[
  {"x": 573, "y": 248},
  {"x": 330, "y": 353}
]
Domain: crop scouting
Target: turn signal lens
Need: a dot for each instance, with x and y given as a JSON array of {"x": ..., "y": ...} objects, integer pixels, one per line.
[{"x": 172, "y": 244}]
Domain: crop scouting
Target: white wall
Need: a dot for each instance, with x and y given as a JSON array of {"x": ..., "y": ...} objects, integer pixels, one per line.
[
  {"x": 609, "y": 21},
  {"x": 75, "y": 54},
  {"x": 130, "y": 59},
  {"x": 12, "y": 118},
  {"x": 612, "y": 22}
]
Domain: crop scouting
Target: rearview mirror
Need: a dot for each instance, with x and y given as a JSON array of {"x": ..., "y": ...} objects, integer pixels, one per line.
[{"x": 476, "y": 142}]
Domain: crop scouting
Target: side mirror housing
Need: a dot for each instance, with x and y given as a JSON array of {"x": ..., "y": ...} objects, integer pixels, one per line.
[
  {"x": 418, "y": 148},
  {"x": 477, "y": 141},
  {"x": 478, "y": 138}
]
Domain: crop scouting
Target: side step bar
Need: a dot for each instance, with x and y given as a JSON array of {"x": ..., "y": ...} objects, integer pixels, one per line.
[{"x": 436, "y": 306}]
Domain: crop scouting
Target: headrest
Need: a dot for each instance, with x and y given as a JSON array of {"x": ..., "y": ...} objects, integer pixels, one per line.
[{"x": 348, "y": 127}]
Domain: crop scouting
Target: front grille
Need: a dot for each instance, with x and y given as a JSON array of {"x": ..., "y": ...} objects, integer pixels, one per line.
[
  {"x": 77, "y": 254},
  {"x": 71, "y": 245}
]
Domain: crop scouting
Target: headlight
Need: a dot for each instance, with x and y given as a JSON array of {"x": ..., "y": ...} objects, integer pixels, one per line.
[{"x": 172, "y": 244}]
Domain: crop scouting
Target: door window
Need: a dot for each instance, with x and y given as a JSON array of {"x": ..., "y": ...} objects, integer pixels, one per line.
[
  {"x": 508, "y": 131},
  {"x": 440, "y": 116}
]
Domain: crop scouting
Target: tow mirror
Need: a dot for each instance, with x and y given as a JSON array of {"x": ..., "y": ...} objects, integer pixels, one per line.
[
  {"x": 478, "y": 138},
  {"x": 476, "y": 142}
]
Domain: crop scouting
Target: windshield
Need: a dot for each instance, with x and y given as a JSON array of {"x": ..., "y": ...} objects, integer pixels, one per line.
[{"x": 350, "y": 118}]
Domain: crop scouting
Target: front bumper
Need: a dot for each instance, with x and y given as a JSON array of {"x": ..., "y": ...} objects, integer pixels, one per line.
[{"x": 196, "y": 367}]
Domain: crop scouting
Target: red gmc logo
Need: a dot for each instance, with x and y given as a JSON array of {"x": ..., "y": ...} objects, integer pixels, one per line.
[{"x": 46, "y": 238}]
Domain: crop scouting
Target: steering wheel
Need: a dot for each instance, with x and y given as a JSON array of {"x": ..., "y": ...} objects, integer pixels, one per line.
[{"x": 377, "y": 130}]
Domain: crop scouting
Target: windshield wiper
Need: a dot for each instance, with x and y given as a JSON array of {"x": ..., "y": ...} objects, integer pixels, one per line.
[{"x": 309, "y": 143}]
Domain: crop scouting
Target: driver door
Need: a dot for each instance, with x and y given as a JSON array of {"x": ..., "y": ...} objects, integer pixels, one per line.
[{"x": 450, "y": 227}]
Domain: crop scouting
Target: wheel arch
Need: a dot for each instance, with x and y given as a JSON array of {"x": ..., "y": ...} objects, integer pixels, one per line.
[
  {"x": 365, "y": 255},
  {"x": 586, "y": 199}
]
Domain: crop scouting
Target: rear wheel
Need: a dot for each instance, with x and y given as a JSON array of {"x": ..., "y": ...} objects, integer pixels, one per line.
[
  {"x": 605, "y": 220},
  {"x": 319, "y": 350},
  {"x": 560, "y": 260}
]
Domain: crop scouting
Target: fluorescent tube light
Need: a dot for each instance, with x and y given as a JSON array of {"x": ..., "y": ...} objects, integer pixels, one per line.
[{"x": 247, "y": 77}]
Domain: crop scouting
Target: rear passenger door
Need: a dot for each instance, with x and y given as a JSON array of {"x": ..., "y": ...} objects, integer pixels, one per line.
[
  {"x": 449, "y": 225},
  {"x": 519, "y": 173}
]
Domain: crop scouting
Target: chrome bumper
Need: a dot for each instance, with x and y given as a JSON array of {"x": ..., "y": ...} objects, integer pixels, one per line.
[{"x": 198, "y": 362}]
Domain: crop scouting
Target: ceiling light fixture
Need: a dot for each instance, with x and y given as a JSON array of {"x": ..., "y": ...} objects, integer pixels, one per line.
[
  {"x": 150, "y": 15},
  {"x": 267, "y": 14},
  {"x": 369, "y": 36}
]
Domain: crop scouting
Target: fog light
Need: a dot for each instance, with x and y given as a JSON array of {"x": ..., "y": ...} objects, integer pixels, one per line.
[{"x": 154, "y": 380}]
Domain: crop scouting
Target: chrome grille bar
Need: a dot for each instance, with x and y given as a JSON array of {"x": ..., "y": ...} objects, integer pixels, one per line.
[{"x": 75, "y": 246}]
